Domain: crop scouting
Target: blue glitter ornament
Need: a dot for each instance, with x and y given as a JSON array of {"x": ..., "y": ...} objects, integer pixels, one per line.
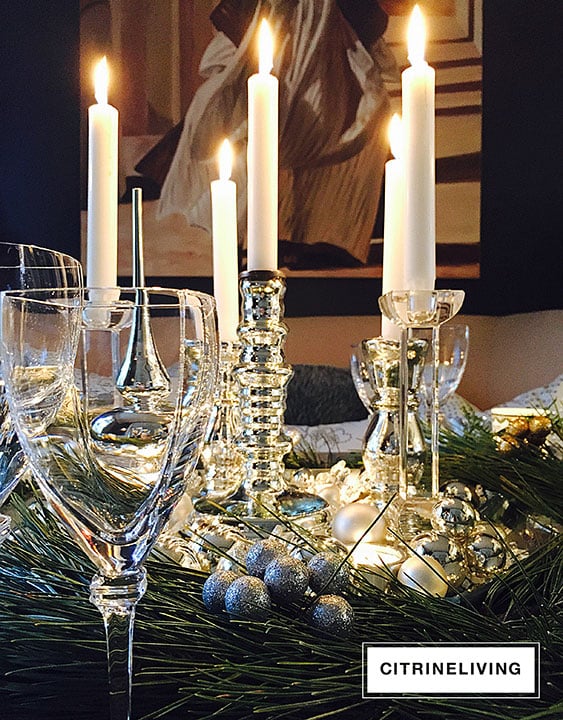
[
  {"x": 248, "y": 597},
  {"x": 332, "y": 614},
  {"x": 215, "y": 587},
  {"x": 261, "y": 554},
  {"x": 327, "y": 573},
  {"x": 287, "y": 579}
]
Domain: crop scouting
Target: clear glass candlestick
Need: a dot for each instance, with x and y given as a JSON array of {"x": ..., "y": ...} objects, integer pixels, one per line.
[
  {"x": 221, "y": 457},
  {"x": 382, "y": 441},
  {"x": 422, "y": 309}
]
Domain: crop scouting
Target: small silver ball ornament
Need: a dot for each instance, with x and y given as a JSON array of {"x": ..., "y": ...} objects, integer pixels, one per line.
[
  {"x": 248, "y": 597},
  {"x": 446, "y": 551},
  {"x": 485, "y": 553},
  {"x": 215, "y": 588},
  {"x": 328, "y": 574},
  {"x": 287, "y": 579},
  {"x": 452, "y": 516},
  {"x": 332, "y": 614},
  {"x": 460, "y": 490},
  {"x": 261, "y": 554}
]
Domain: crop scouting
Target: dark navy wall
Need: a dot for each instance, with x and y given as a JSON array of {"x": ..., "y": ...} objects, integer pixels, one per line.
[{"x": 40, "y": 123}]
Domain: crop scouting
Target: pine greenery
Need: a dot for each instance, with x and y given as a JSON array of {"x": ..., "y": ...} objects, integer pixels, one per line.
[{"x": 192, "y": 664}]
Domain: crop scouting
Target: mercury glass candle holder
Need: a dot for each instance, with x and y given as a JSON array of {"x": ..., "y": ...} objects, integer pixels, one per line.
[
  {"x": 381, "y": 451},
  {"x": 421, "y": 309},
  {"x": 262, "y": 376}
]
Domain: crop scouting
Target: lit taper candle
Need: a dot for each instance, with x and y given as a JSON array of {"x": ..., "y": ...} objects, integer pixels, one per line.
[
  {"x": 103, "y": 121},
  {"x": 418, "y": 85},
  {"x": 225, "y": 255},
  {"x": 263, "y": 159},
  {"x": 394, "y": 225}
]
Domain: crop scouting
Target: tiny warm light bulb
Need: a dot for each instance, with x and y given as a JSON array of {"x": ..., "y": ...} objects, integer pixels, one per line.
[
  {"x": 265, "y": 48},
  {"x": 101, "y": 81},
  {"x": 416, "y": 37},
  {"x": 396, "y": 135},
  {"x": 225, "y": 160}
]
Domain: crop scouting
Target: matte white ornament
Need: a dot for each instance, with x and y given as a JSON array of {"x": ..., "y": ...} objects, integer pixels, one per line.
[
  {"x": 351, "y": 522},
  {"x": 425, "y": 576}
]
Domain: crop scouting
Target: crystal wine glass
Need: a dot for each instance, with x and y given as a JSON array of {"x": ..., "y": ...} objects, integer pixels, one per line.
[
  {"x": 26, "y": 266},
  {"x": 111, "y": 402},
  {"x": 454, "y": 346}
]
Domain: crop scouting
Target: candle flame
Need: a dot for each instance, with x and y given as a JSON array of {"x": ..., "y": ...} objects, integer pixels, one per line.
[
  {"x": 101, "y": 81},
  {"x": 396, "y": 135},
  {"x": 225, "y": 160},
  {"x": 265, "y": 48},
  {"x": 416, "y": 37}
]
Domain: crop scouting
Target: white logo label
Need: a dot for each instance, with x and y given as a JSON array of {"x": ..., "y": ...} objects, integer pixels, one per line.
[{"x": 450, "y": 670}]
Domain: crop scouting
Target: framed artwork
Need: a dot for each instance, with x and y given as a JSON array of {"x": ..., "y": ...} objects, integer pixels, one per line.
[
  {"x": 161, "y": 56},
  {"x": 44, "y": 122}
]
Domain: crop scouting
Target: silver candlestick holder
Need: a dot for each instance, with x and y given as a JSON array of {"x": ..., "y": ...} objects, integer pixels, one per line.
[{"x": 262, "y": 376}]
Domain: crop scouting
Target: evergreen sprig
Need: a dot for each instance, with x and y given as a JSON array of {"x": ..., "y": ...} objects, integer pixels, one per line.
[{"x": 192, "y": 664}]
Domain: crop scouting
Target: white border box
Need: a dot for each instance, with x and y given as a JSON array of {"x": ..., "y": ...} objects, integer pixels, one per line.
[{"x": 464, "y": 670}]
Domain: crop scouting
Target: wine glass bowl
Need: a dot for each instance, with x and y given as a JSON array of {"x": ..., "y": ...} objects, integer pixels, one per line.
[
  {"x": 453, "y": 350},
  {"x": 25, "y": 267},
  {"x": 113, "y": 428}
]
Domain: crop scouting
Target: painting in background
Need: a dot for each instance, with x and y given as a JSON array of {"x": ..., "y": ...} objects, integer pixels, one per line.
[{"x": 154, "y": 50}]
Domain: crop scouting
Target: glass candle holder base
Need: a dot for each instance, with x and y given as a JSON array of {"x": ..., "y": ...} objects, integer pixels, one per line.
[{"x": 261, "y": 377}]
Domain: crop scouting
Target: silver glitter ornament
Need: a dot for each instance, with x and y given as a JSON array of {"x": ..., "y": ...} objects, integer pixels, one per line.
[
  {"x": 215, "y": 588},
  {"x": 332, "y": 614},
  {"x": 460, "y": 490},
  {"x": 327, "y": 574},
  {"x": 446, "y": 551},
  {"x": 261, "y": 554},
  {"x": 452, "y": 516},
  {"x": 248, "y": 597},
  {"x": 485, "y": 554},
  {"x": 287, "y": 579}
]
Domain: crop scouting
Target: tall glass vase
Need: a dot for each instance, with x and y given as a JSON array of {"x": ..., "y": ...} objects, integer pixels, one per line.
[{"x": 382, "y": 446}]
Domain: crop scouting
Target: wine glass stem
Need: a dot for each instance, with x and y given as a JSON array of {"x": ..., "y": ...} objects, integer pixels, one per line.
[
  {"x": 119, "y": 637},
  {"x": 435, "y": 413},
  {"x": 116, "y": 599}
]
